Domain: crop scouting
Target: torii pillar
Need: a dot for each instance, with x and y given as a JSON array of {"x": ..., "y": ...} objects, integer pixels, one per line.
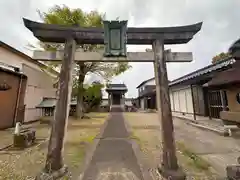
[{"x": 169, "y": 167}]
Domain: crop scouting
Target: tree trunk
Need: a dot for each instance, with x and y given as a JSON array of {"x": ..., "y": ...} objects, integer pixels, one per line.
[
  {"x": 80, "y": 104},
  {"x": 54, "y": 159}
]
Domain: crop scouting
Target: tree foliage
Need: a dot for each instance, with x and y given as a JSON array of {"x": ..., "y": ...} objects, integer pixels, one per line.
[
  {"x": 92, "y": 94},
  {"x": 220, "y": 57},
  {"x": 63, "y": 15}
]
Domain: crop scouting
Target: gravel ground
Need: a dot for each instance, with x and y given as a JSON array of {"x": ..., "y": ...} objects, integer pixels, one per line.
[
  {"x": 25, "y": 165},
  {"x": 149, "y": 140}
]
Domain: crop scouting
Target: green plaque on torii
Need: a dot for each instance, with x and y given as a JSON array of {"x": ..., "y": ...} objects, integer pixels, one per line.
[{"x": 115, "y": 38}]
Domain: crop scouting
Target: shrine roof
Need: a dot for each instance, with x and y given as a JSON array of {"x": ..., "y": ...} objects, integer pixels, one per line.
[{"x": 118, "y": 87}]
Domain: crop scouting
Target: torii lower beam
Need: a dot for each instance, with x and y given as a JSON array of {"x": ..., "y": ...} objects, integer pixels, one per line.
[{"x": 98, "y": 56}]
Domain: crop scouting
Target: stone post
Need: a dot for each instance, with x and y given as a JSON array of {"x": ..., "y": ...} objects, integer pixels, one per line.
[
  {"x": 54, "y": 162},
  {"x": 169, "y": 168}
]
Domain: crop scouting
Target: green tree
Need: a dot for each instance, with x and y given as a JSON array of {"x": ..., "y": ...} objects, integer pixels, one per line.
[
  {"x": 92, "y": 94},
  {"x": 220, "y": 57},
  {"x": 63, "y": 15}
]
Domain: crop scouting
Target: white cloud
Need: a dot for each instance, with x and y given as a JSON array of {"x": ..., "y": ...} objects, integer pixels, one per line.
[{"x": 220, "y": 27}]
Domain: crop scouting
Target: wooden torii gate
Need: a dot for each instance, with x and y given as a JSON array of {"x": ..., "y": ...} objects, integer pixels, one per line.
[{"x": 156, "y": 37}]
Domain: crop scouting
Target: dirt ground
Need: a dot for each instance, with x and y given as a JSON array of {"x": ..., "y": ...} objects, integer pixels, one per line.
[
  {"x": 147, "y": 131},
  {"x": 26, "y": 164}
]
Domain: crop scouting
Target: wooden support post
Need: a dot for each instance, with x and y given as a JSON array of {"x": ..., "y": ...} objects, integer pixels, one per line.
[
  {"x": 223, "y": 100},
  {"x": 209, "y": 104},
  {"x": 54, "y": 160},
  {"x": 194, "y": 111},
  {"x": 169, "y": 167}
]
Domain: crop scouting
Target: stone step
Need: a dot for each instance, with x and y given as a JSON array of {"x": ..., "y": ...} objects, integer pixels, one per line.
[{"x": 116, "y": 108}]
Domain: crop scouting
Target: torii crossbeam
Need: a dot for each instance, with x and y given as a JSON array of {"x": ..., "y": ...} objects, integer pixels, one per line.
[
  {"x": 98, "y": 56},
  {"x": 156, "y": 37},
  {"x": 140, "y": 36}
]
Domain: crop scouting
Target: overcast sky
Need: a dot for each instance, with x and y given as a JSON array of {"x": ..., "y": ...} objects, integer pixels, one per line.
[{"x": 221, "y": 26}]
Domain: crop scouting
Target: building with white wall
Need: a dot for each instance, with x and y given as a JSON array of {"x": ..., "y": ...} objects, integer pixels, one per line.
[
  {"x": 146, "y": 94},
  {"x": 189, "y": 93},
  {"x": 39, "y": 80}
]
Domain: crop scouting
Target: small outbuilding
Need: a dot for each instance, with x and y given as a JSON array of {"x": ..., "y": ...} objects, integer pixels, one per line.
[{"x": 116, "y": 94}]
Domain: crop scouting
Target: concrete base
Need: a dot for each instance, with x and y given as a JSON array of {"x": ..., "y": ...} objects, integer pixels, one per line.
[
  {"x": 116, "y": 108},
  {"x": 233, "y": 172},
  {"x": 218, "y": 131},
  {"x": 55, "y": 175},
  {"x": 172, "y": 174}
]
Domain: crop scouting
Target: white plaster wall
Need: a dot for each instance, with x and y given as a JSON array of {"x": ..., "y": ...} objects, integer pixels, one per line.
[
  {"x": 128, "y": 102},
  {"x": 13, "y": 59},
  {"x": 142, "y": 103},
  {"x": 176, "y": 101},
  {"x": 152, "y": 82},
  {"x": 171, "y": 100},
  {"x": 189, "y": 100},
  {"x": 104, "y": 102},
  {"x": 39, "y": 83},
  {"x": 181, "y": 100}
]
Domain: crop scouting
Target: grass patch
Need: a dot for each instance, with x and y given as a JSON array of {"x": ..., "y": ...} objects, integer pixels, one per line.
[
  {"x": 74, "y": 155},
  {"x": 95, "y": 119},
  {"x": 27, "y": 164},
  {"x": 89, "y": 139},
  {"x": 136, "y": 138},
  {"x": 197, "y": 161}
]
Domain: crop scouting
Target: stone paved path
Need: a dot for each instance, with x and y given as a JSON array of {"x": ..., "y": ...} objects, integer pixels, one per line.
[{"x": 114, "y": 158}]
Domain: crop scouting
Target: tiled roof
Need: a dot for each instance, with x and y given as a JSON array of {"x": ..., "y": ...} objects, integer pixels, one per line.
[
  {"x": 213, "y": 67},
  {"x": 144, "y": 82},
  {"x": 199, "y": 72},
  {"x": 116, "y": 87},
  {"x": 47, "y": 102},
  {"x": 12, "y": 72}
]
